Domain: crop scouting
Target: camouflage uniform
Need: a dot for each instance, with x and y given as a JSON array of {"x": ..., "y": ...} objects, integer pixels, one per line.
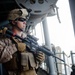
[
  {"x": 7, "y": 49},
  {"x": 16, "y": 61},
  {"x": 16, "y": 57}
]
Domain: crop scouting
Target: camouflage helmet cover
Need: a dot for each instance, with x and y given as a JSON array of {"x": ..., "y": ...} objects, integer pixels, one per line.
[{"x": 16, "y": 13}]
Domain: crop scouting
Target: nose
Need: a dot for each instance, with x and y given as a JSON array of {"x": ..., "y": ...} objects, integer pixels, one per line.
[{"x": 24, "y": 22}]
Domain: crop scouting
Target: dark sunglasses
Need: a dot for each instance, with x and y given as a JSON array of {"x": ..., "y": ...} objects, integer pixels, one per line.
[{"x": 20, "y": 19}]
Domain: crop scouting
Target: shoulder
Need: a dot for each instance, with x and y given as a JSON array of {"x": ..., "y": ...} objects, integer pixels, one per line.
[{"x": 5, "y": 40}]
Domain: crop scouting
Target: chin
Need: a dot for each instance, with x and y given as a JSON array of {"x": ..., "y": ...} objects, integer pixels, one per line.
[{"x": 23, "y": 29}]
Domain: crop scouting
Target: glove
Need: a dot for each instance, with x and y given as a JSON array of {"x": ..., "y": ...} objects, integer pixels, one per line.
[
  {"x": 40, "y": 56},
  {"x": 21, "y": 46}
]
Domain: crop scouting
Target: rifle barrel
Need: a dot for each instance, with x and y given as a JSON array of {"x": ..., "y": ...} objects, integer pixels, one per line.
[{"x": 47, "y": 52}]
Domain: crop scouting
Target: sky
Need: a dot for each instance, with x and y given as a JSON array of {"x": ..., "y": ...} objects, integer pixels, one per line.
[{"x": 62, "y": 34}]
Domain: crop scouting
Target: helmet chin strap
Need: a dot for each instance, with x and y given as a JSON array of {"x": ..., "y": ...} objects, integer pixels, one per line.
[{"x": 18, "y": 27}]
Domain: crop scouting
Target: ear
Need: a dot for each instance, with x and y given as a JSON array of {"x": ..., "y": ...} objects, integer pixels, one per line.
[{"x": 13, "y": 22}]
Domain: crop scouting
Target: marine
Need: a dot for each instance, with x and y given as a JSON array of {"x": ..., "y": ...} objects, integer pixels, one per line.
[{"x": 15, "y": 56}]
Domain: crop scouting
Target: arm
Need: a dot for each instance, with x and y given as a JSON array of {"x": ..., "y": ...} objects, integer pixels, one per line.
[{"x": 7, "y": 49}]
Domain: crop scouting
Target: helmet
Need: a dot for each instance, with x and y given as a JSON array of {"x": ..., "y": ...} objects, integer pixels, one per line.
[{"x": 16, "y": 13}]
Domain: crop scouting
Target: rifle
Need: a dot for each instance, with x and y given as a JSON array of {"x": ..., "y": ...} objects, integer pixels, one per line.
[
  {"x": 31, "y": 42},
  {"x": 4, "y": 24}
]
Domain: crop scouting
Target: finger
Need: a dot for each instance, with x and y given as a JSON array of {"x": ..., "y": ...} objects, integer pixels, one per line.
[
  {"x": 39, "y": 53},
  {"x": 40, "y": 59}
]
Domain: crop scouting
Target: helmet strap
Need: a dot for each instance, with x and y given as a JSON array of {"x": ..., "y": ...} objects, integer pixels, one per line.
[
  {"x": 15, "y": 25},
  {"x": 18, "y": 28}
]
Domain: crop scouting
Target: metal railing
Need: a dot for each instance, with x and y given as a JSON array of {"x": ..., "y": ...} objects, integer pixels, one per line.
[{"x": 63, "y": 68}]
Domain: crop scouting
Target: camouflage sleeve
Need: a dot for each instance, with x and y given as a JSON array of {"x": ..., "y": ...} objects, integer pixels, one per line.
[{"x": 7, "y": 49}]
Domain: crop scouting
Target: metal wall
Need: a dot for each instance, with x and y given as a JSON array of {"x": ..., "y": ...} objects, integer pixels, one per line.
[{"x": 72, "y": 8}]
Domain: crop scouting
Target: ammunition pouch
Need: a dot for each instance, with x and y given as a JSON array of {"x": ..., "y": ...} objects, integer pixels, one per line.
[
  {"x": 22, "y": 60},
  {"x": 27, "y": 61},
  {"x": 20, "y": 46},
  {"x": 24, "y": 63}
]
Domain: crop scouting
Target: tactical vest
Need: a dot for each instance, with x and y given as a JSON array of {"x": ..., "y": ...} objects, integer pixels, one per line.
[{"x": 21, "y": 61}]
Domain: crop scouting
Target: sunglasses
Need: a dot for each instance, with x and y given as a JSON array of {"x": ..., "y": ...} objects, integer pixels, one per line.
[{"x": 20, "y": 19}]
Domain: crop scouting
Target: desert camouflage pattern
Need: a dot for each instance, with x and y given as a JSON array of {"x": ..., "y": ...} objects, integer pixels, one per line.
[
  {"x": 7, "y": 49},
  {"x": 8, "y": 52},
  {"x": 17, "y": 13}
]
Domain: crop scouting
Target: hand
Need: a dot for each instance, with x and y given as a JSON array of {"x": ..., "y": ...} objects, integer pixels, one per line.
[
  {"x": 40, "y": 56},
  {"x": 21, "y": 46}
]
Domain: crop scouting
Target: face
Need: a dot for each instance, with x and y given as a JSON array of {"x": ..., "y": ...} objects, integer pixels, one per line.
[{"x": 21, "y": 23}]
